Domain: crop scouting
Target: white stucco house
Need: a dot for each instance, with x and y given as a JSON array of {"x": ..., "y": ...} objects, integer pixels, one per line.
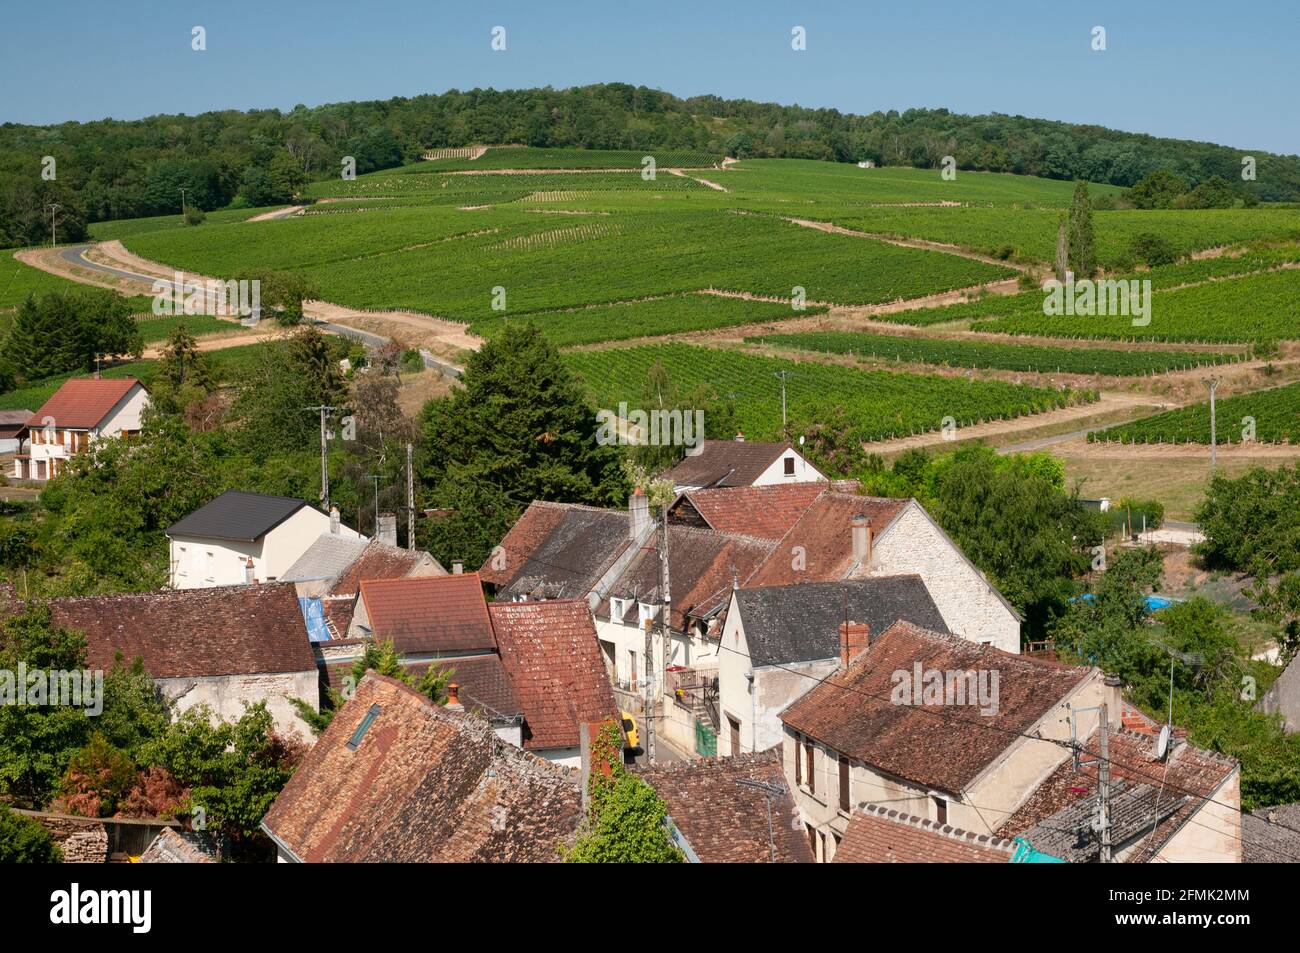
[
  {"x": 83, "y": 410},
  {"x": 244, "y": 537},
  {"x": 739, "y": 462}
]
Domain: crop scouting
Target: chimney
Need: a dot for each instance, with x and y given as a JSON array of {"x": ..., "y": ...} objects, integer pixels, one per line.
[
  {"x": 250, "y": 576},
  {"x": 1113, "y": 698},
  {"x": 862, "y": 540},
  {"x": 457, "y": 567},
  {"x": 855, "y": 638},
  {"x": 453, "y": 698},
  {"x": 638, "y": 509},
  {"x": 334, "y": 521},
  {"x": 740, "y": 436},
  {"x": 387, "y": 529}
]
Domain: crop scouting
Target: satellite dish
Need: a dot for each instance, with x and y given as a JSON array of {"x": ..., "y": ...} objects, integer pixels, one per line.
[
  {"x": 1162, "y": 743},
  {"x": 801, "y": 440}
]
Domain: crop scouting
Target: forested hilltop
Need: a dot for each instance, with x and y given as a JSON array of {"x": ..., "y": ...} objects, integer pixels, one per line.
[{"x": 112, "y": 169}]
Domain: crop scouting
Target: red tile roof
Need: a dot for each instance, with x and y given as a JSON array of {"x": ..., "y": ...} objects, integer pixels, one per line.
[
  {"x": 429, "y": 613},
  {"x": 553, "y": 656},
  {"x": 824, "y": 532},
  {"x": 83, "y": 402},
  {"x": 421, "y": 785},
  {"x": 725, "y": 821},
  {"x": 191, "y": 633},
  {"x": 880, "y": 835},
  {"x": 525, "y": 536},
  {"x": 379, "y": 561},
  {"x": 725, "y": 463},
  {"x": 939, "y": 745},
  {"x": 764, "y": 512}
]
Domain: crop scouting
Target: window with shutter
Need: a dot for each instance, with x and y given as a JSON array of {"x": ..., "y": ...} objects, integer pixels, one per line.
[
  {"x": 844, "y": 784},
  {"x": 812, "y": 781}
]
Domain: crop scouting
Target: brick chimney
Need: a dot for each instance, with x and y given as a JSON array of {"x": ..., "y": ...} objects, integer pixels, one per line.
[
  {"x": 855, "y": 638},
  {"x": 334, "y": 521},
  {"x": 457, "y": 567},
  {"x": 1113, "y": 697},
  {"x": 453, "y": 698},
  {"x": 638, "y": 509},
  {"x": 862, "y": 539}
]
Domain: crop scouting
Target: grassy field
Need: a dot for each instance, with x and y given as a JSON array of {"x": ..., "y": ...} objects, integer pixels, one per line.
[
  {"x": 1012, "y": 357},
  {"x": 633, "y": 319},
  {"x": 154, "y": 329},
  {"x": 879, "y": 403},
  {"x": 524, "y": 157},
  {"x": 107, "y": 231},
  {"x": 18, "y": 280}
]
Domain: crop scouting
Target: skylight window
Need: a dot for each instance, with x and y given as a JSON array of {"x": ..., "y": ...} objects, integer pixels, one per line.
[{"x": 362, "y": 728}]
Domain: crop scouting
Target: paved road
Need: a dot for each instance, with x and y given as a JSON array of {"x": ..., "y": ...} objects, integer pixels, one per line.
[
  {"x": 76, "y": 255},
  {"x": 1039, "y": 443}
]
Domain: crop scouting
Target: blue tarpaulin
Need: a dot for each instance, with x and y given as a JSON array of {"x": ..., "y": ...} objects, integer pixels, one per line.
[{"x": 313, "y": 613}]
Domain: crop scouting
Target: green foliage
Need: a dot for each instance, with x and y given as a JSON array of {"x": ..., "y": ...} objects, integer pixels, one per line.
[
  {"x": 1148, "y": 248},
  {"x": 1082, "y": 254},
  {"x": 1275, "y": 413},
  {"x": 383, "y": 658},
  {"x": 291, "y": 375},
  {"x": 626, "y": 820},
  {"x": 98, "y": 778},
  {"x": 25, "y": 841},
  {"x": 283, "y": 292},
  {"x": 194, "y": 215},
  {"x": 1157, "y": 189},
  {"x": 183, "y": 376},
  {"x": 64, "y": 330},
  {"x": 519, "y": 429}
]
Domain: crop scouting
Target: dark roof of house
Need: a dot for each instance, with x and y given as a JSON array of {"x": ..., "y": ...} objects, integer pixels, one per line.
[
  {"x": 765, "y": 512},
  {"x": 379, "y": 560},
  {"x": 1271, "y": 835},
  {"x": 177, "y": 847},
  {"x": 568, "y": 561},
  {"x": 943, "y": 746},
  {"x": 702, "y": 564},
  {"x": 725, "y": 821},
  {"x": 881, "y": 835},
  {"x": 237, "y": 515},
  {"x": 484, "y": 684},
  {"x": 553, "y": 656},
  {"x": 397, "y": 779},
  {"x": 83, "y": 402},
  {"x": 824, "y": 533},
  {"x": 1188, "y": 777},
  {"x": 445, "y": 614},
  {"x": 326, "y": 558},
  {"x": 528, "y": 532},
  {"x": 801, "y": 623},
  {"x": 1068, "y": 833},
  {"x": 191, "y": 633},
  {"x": 14, "y": 419},
  {"x": 725, "y": 463}
]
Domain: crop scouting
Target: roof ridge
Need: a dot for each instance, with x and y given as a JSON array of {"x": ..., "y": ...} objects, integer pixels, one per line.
[{"x": 934, "y": 827}]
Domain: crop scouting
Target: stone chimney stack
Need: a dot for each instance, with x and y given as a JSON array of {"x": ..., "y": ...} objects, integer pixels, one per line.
[
  {"x": 1113, "y": 697},
  {"x": 862, "y": 539},
  {"x": 250, "y": 574},
  {"x": 638, "y": 509},
  {"x": 740, "y": 436},
  {"x": 855, "y": 638},
  {"x": 453, "y": 698},
  {"x": 335, "y": 525},
  {"x": 387, "y": 529},
  {"x": 457, "y": 567}
]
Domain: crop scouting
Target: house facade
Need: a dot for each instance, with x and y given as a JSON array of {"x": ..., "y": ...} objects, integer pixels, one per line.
[
  {"x": 80, "y": 412},
  {"x": 729, "y": 463},
  {"x": 241, "y": 538}
]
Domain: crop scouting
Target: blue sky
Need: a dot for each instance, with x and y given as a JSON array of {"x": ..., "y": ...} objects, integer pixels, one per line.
[{"x": 1227, "y": 73}]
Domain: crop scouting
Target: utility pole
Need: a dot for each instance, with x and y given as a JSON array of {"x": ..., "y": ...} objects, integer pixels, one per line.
[
  {"x": 782, "y": 375},
  {"x": 410, "y": 501},
  {"x": 665, "y": 609},
  {"x": 1213, "y": 384},
  {"x": 323, "y": 409},
  {"x": 1103, "y": 786},
  {"x": 54, "y": 232},
  {"x": 183, "y": 191}
]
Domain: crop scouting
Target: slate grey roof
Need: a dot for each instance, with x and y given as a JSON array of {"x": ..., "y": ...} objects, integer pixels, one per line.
[
  {"x": 801, "y": 622},
  {"x": 725, "y": 463},
  {"x": 326, "y": 558},
  {"x": 1068, "y": 834},
  {"x": 1283, "y": 697},
  {"x": 572, "y": 557},
  {"x": 236, "y": 514},
  {"x": 1271, "y": 835}
]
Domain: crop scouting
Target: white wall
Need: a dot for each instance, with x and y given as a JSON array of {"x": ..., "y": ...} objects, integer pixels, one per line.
[
  {"x": 226, "y": 695},
  {"x": 969, "y": 604},
  {"x": 804, "y": 472}
]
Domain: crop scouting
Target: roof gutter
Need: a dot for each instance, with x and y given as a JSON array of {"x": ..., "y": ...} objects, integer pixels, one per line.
[{"x": 293, "y": 858}]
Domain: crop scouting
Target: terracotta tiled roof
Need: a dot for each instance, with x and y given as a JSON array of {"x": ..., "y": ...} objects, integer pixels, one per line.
[
  {"x": 176, "y": 847},
  {"x": 1191, "y": 773},
  {"x": 525, "y": 536},
  {"x": 429, "y": 613},
  {"x": 725, "y": 821},
  {"x": 553, "y": 656},
  {"x": 701, "y": 566},
  {"x": 568, "y": 561},
  {"x": 420, "y": 784},
  {"x": 380, "y": 561},
  {"x": 880, "y": 835},
  {"x": 943, "y": 746},
  {"x": 824, "y": 532},
  {"x": 190, "y": 633},
  {"x": 725, "y": 463},
  {"x": 765, "y": 512},
  {"x": 83, "y": 402},
  {"x": 485, "y": 685}
]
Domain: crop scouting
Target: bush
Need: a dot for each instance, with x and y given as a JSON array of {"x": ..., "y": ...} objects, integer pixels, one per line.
[
  {"x": 1152, "y": 249},
  {"x": 412, "y": 361},
  {"x": 194, "y": 215},
  {"x": 24, "y": 841},
  {"x": 1153, "y": 510}
]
